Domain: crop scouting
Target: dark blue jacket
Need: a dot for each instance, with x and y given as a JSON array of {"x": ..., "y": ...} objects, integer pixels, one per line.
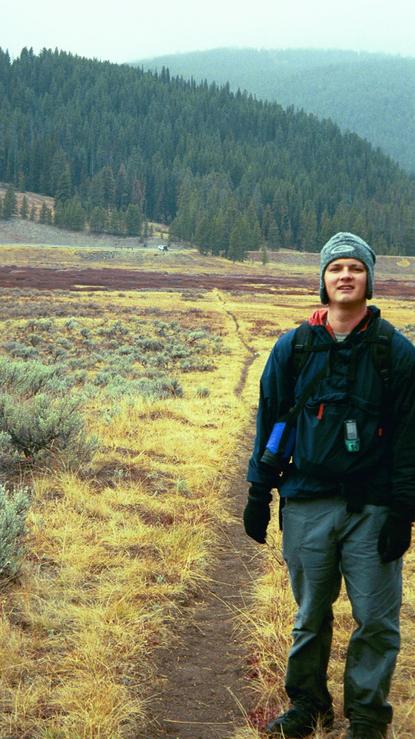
[{"x": 389, "y": 467}]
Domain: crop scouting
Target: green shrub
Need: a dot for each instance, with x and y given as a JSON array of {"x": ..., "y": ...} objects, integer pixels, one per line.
[
  {"x": 105, "y": 377},
  {"x": 126, "y": 350},
  {"x": 65, "y": 343},
  {"x": 40, "y": 422},
  {"x": 178, "y": 351},
  {"x": 35, "y": 339},
  {"x": 164, "y": 387},
  {"x": 79, "y": 377},
  {"x": 22, "y": 351},
  {"x": 44, "y": 324},
  {"x": 197, "y": 334},
  {"x": 13, "y": 510},
  {"x": 37, "y": 417},
  {"x": 78, "y": 363},
  {"x": 29, "y": 378},
  {"x": 59, "y": 353},
  {"x": 71, "y": 324},
  {"x": 160, "y": 359},
  {"x": 6, "y": 447},
  {"x": 150, "y": 345},
  {"x": 116, "y": 329},
  {"x": 153, "y": 389},
  {"x": 196, "y": 365}
]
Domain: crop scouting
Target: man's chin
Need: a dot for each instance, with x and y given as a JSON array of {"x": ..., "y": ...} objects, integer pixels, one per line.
[
  {"x": 350, "y": 295},
  {"x": 349, "y": 298}
]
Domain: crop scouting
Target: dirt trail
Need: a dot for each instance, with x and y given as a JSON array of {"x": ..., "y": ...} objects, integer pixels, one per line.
[
  {"x": 204, "y": 690},
  {"x": 251, "y": 353},
  {"x": 204, "y": 678}
]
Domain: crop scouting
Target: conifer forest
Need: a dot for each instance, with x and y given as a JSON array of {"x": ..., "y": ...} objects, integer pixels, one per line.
[{"x": 117, "y": 146}]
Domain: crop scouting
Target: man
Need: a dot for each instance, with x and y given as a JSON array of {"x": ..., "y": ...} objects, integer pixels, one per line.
[{"x": 348, "y": 493}]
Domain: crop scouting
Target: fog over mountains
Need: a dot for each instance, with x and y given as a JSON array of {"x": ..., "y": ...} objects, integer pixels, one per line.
[{"x": 372, "y": 95}]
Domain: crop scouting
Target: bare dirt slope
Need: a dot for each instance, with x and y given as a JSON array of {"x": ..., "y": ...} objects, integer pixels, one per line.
[{"x": 18, "y": 231}]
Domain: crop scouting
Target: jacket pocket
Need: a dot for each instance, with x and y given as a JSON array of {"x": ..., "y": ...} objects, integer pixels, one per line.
[{"x": 321, "y": 449}]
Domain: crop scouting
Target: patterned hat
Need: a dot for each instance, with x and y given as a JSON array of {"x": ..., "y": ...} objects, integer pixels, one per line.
[{"x": 347, "y": 246}]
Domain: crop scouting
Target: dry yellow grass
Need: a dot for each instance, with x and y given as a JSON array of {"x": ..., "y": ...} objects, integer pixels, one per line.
[
  {"x": 110, "y": 555},
  {"x": 136, "y": 257}
]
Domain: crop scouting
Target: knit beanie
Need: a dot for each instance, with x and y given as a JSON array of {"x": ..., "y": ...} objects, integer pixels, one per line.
[{"x": 347, "y": 246}]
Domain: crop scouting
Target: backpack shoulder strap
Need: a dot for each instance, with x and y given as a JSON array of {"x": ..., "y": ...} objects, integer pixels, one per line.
[
  {"x": 302, "y": 346},
  {"x": 381, "y": 349}
]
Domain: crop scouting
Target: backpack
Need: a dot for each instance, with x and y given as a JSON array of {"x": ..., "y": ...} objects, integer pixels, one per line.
[
  {"x": 350, "y": 440},
  {"x": 380, "y": 347}
]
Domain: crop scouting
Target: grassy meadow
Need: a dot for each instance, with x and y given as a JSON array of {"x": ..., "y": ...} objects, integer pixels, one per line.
[{"x": 166, "y": 382}]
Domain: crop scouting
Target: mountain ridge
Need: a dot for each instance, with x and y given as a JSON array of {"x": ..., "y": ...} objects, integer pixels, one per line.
[
  {"x": 116, "y": 146},
  {"x": 368, "y": 93}
]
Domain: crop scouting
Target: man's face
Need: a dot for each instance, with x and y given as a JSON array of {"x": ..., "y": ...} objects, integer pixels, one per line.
[{"x": 345, "y": 281}]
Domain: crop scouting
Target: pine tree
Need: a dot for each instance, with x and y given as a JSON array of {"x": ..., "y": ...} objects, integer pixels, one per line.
[
  {"x": 255, "y": 235},
  {"x": 108, "y": 187},
  {"x": 239, "y": 241},
  {"x": 326, "y": 228},
  {"x": 58, "y": 165},
  {"x": 274, "y": 238},
  {"x": 21, "y": 182},
  {"x": 116, "y": 223},
  {"x": 9, "y": 203},
  {"x": 43, "y": 217},
  {"x": 122, "y": 189},
  {"x": 24, "y": 208},
  {"x": 59, "y": 219},
  {"x": 264, "y": 255},
  {"x": 203, "y": 234},
  {"x": 133, "y": 220},
  {"x": 218, "y": 241},
  {"x": 63, "y": 190},
  {"x": 98, "y": 220},
  {"x": 266, "y": 222},
  {"x": 74, "y": 215},
  {"x": 308, "y": 229}
]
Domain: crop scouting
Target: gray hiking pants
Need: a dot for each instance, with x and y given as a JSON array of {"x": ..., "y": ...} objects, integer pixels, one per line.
[{"x": 321, "y": 543}]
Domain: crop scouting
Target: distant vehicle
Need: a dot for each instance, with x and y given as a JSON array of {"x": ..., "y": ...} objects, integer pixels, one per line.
[{"x": 163, "y": 247}]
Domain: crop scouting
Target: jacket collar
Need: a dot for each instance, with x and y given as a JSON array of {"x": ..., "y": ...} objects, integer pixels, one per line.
[{"x": 319, "y": 318}]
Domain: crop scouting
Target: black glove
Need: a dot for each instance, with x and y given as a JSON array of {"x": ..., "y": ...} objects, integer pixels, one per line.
[
  {"x": 394, "y": 537},
  {"x": 257, "y": 514}
]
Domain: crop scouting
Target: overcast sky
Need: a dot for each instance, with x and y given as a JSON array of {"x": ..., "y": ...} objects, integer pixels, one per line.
[{"x": 127, "y": 30}]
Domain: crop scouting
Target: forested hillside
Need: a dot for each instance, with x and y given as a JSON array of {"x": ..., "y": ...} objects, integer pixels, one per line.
[
  {"x": 370, "y": 94},
  {"x": 227, "y": 172}
]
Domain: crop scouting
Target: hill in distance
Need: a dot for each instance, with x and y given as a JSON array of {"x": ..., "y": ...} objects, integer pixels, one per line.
[
  {"x": 369, "y": 94},
  {"x": 117, "y": 147}
]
